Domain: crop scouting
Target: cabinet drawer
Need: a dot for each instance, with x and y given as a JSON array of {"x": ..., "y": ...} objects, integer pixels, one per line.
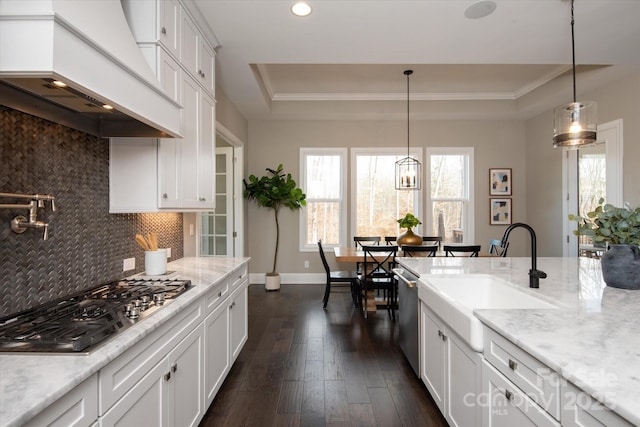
[
  {"x": 537, "y": 380},
  {"x": 213, "y": 299},
  {"x": 504, "y": 404},
  {"x": 128, "y": 369},
  {"x": 581, "y": 410},
  {"x": 79, "y": 407},
  {"x": 238, "y": 276}
]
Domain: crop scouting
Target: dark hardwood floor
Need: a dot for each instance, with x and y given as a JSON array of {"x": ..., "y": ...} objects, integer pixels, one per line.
[{"x": 305, "y": 366}]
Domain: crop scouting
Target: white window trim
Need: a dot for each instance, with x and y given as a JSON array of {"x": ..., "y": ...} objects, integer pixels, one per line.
[
  {"x": 400, "y": 151},
  {"x": 469, "y": 220},
  {"x": 342, "y": 234}
]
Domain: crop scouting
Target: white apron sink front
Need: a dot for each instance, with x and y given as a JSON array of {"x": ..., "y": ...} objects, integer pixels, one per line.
[{"x": 454, "y": 298}]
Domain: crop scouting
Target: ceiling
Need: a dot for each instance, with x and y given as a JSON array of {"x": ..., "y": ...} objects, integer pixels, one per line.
[{"x": 346, "y": 59}]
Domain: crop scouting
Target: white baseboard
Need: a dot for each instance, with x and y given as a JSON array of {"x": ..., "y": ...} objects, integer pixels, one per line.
[{"x": 291, "y": 278}]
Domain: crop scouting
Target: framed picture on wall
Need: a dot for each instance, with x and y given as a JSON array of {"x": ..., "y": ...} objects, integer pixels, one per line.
[
  {"x": 500, "y": 182},
  {"x": 500, "y": 211}
]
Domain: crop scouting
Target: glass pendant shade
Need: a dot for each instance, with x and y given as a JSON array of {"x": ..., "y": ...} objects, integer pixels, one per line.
[
  {"x": 575, "y": 124},
  {"x": 408, "y": 174}
]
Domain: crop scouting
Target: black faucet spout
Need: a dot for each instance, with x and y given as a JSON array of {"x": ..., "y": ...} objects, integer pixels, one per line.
[{"x": 534, "y": 274}]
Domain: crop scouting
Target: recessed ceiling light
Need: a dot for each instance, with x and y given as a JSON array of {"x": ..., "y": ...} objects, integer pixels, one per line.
[
  {"x": 107, "y": 107},
  {"x": 59, "y": 83},
  {"x": 301, "y": 9},
  {"x": 480, "y": 9}
]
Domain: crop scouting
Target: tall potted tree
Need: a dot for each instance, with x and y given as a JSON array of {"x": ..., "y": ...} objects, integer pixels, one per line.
[{"x": 274, "y": 191}]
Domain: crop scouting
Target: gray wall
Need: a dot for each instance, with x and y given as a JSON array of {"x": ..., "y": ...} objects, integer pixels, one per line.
[
  {"x": 86, "y": 244},
  {"x": 498, "y": 144},
  {"x": 618, "y": 100}
]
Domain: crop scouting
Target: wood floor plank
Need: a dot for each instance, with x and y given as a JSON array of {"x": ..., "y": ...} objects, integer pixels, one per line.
[{"x": 305, "y": 366}]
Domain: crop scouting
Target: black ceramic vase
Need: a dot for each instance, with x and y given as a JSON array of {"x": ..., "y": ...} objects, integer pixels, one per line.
[{"x": 621, "y": 266}]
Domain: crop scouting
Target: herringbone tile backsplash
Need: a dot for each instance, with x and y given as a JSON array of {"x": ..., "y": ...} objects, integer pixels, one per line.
[{"x": 86, "y": 243}]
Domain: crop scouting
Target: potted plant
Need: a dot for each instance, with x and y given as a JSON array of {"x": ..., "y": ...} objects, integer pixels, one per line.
[
  {"x": 619, "y": 229},
  {"x": 409, "y": 237},
  {"x": 274, "y": 191}
]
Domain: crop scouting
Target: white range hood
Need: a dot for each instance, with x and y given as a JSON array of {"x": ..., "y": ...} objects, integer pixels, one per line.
[{"x": 88, "y": 45}]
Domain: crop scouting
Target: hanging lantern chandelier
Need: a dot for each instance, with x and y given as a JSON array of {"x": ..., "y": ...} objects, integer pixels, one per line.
[
  {"x": 408, "y": 169},
  {"x": 575, "y": 124}
]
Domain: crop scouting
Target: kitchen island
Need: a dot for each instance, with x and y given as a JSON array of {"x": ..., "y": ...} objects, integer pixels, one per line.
[
  {"x": 30, "y": 383},
  {"x": 591, "y": 340}
]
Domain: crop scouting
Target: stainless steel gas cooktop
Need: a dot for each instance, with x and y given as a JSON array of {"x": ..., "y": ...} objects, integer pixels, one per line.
[{"x": 77, "y": 323}]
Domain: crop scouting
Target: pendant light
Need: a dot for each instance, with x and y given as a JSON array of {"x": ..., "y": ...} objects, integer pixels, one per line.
[
  {"x": 408, "y": 175},
  {"x": 575, "y": 124}
]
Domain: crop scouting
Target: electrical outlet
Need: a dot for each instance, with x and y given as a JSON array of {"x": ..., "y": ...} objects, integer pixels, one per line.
[
  {"x": 129, "y": 264},
  {"x": 306, "y": 264},
  {"x": 168, "y": 252}
]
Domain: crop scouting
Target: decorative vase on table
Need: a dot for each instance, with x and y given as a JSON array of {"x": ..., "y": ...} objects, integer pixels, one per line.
[
  {"x": 621, "y": 266},
  {"x": 409, "y": 238}
]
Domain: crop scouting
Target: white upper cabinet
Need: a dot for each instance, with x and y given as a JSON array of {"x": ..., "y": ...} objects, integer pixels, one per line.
[{"x": 154, "y": 175}]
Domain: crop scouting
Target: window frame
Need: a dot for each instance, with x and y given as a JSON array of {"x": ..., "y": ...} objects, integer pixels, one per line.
[
  {"x": 468, "y": 199},
  {"x": 342, "y": 232},
  {"x": 395, "y": 151}
]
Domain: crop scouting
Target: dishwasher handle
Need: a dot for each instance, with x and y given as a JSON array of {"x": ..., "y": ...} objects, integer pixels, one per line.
[{"x": 400, "y": 273}]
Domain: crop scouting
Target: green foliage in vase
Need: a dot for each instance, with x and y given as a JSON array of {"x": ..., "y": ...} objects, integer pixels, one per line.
[
  {"x": 409, "y": 221},
  {"x": 610, "y": 224},
  {"x": 273, "y": 191}
]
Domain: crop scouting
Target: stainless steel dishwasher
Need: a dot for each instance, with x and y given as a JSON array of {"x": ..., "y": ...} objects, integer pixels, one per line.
[{"x": 408, "y": 318}]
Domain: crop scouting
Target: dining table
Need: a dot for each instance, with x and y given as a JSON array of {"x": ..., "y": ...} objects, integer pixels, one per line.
[{"x": 353, "y": 254}]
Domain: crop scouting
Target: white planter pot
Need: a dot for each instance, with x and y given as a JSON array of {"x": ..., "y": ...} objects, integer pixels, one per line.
[{"x": 272, "y": 281}]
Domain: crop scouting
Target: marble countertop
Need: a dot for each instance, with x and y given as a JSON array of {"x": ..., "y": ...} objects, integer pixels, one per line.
[
  {"x": 592, "y": 340},
  {"x": 30, "y": 383}
]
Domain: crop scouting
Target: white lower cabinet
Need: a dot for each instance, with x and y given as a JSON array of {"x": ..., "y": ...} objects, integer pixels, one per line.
[
  {"x": 238, "y": 310},
  {"x": 217, "y": 351},
  {"x": 581, "y": 410},
  {"x": 78, "y": 408},
  {"x": 450, "y": 370},
  {"x": 506, "y": 405}
]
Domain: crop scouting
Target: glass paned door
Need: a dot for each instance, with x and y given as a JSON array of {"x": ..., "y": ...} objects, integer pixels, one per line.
[{"x": 216, "y": 228}]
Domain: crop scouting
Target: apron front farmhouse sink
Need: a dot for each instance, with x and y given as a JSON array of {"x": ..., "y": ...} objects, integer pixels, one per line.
[{"x": 454, "y": 298}]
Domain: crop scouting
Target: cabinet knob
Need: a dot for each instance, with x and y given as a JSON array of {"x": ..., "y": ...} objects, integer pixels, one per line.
[
  {"x": 174, "y": 368},
  {"x": 203, "y": 199},
  {"x": 219, "y": 294},
  {"x": 164, "y": 195},
  {"x": 163, "y": 30},
  {"x": 167, "y": 376},
  {"x": 513, "y": 365},
  {"x": 508, "y": 395}
]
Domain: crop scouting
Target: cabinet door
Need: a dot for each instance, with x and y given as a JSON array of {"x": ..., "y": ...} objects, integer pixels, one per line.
[
  {"x": 169, "y": 25},
  {"x": 206, "y": 153},
  {"x": 464, "y": 383},
  {"x": 186, "y": 383},
  {"x": 144, "y": 404},
  {"x": 190, "y": 44},
  {"x": 189, "y": 143},
  {"x": 169, "y": 74},
  {"x": 432, "y": 363},
  {"x": 238, "y": 314},
  {"x": 168, "y": 173},
  {"x": 506, "y": 405},
  {"x": 207, "y": 66},
  {"x": 217, "y": 354}
]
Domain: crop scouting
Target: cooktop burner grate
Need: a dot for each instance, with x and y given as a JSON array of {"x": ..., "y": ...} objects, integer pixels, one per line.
[{"x": 78, "y": 322}]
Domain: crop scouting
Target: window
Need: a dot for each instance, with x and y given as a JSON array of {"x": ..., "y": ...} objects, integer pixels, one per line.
[
  {"x": 377, "y": 204},
  {"x": 322, "y": 180},
  {"x": 449, "y": 194}
]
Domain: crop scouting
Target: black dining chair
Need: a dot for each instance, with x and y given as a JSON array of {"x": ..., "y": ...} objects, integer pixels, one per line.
[
  {"x": 338, "y": 277},
  {"x": 420, "y": 250},
  {"x": 390, "y": 240},
  {"x": 496, "y": 248},
  {"x": 377, "y": 274},
  {"x": 471, "y": 250},
  {"x": 437, "y": 239},
  {"x": 359, "y": 241}
]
